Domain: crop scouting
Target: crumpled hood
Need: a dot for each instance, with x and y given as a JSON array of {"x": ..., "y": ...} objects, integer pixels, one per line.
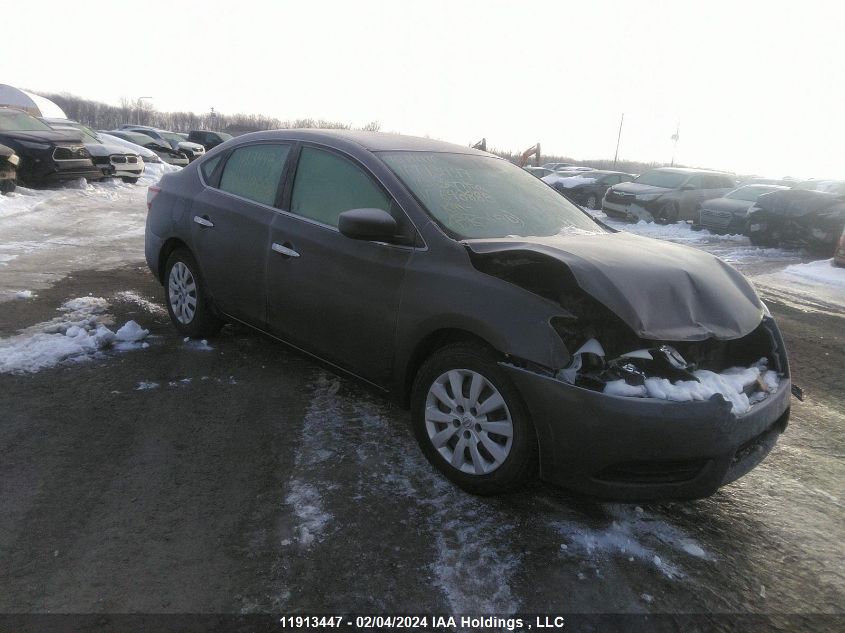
[
  {"x": 738, "y": 207},
  {"x": 662, "y": 291},
  {"x": 794, "y": 203}
]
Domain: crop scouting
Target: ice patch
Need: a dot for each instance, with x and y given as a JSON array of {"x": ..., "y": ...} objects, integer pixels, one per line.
[
  {"x": 308, "y": 506},
  {"x": 631, "y": 536},
  {"x": 79, "y": 334},
  {"x": 25, "y": 294},
  {"x": 143, "y": 386}
]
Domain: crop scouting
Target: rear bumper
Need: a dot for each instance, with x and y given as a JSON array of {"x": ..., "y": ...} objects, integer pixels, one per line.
[{"x": 633, "y": 449}]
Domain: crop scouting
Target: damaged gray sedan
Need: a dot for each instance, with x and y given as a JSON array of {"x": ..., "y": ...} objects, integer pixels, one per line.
[{"x": 526, "y": 337}]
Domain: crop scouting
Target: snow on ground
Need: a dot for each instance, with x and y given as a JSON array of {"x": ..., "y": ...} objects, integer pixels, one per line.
[
  {"x": 822, "y": 271},
  {"x": 79, "y": 333},
  {"x": 129, "y": 296},
  {"x": 46, "y": 234}
]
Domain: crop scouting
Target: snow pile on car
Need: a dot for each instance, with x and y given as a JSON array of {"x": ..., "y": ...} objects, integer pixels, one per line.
[
  {"x": 732, "y": 384},
  {"x": 80, "y": 333}
]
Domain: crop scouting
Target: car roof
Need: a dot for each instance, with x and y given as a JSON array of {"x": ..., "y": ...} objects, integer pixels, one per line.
[{"x": 372, "y": 141}]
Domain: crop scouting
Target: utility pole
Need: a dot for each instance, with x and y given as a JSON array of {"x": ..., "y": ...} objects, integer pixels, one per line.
[
  {"x": 618, "y": 138},
  {"x": 675, "y": 138},
  {"x": 140, "y": 105}
]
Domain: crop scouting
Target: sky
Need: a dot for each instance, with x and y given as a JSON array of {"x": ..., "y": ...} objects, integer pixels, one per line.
[{"x": 753, "y": 87}]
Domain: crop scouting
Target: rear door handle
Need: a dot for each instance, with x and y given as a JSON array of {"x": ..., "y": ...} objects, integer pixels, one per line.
[
  {"x": 204, "y": 221},
  {"x": 284, "y": 250}
]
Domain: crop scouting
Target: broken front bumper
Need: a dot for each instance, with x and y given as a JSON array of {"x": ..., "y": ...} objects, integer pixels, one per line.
[{"x": 633, "y": 449}]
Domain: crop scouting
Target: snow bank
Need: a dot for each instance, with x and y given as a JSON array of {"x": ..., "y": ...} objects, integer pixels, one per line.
[
  {"x": 730, "y": 384},
  {"x": 78, "y": 334},
  {"x": 822, "y": 271}
]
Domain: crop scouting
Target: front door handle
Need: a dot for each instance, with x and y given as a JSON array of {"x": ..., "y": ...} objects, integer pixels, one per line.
[
  {"x": 284, "y": 250},
  {"x": 204, "y": 221}
]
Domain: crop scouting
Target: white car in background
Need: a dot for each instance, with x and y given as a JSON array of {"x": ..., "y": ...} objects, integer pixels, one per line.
[
  {"x": 172, "y": 139},
  {"x": 115, "y": 161},
  {"x": 161, "y": 149},
  {"x": 148, "y": 155}
]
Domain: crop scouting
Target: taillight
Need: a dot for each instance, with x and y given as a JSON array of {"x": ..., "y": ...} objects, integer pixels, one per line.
[{"x": 152, "y": 192}]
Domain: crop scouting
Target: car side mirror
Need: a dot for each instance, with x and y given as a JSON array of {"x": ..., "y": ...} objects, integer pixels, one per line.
[{"x": 368, "y": 224}]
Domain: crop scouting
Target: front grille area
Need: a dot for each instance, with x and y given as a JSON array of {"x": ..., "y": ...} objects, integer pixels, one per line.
[
  {"x": 652, "y": 472},
  {"x": 73, "y": 152},
  {"x": 132, "y": 160},
  {"x": 717, "y": 219},
  {"x": 118, "y": 160}
]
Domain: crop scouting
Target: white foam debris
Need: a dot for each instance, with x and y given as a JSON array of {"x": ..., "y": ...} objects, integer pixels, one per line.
[
  {"x": 645, "y": 597},
  {"x": 80, "y": 333},
  {"x": 142, "y": 386},
  {"x": 25, "y": 294},
  {"x": 730, "y": 384}
]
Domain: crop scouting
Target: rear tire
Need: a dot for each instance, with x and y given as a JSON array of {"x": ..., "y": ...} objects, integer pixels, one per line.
[
  {"x": 7, "y": 186},
  {"x": 129, "y": 180},
  {"x": 187, "y": 301},
  {"x": 483, "y": 440}
]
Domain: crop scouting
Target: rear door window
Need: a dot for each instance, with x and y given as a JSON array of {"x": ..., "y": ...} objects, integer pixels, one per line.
[
  {"x": 255, "y": 171},
  {"x": 328, "y": 184}
]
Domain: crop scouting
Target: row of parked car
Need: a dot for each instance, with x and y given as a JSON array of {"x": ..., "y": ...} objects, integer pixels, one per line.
[
  {"x": 46, "y": 151},
  {"x": 807, "y": 213}
]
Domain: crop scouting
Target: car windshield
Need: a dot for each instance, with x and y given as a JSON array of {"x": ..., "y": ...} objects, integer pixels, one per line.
[
  {"x": 666, "y": 179},
  {"x": 171, "y": 136},
  {"x": 223, "y": 136},
  {"x": 17, "y": 121},
  {"x": 483, "y": 197},
  {"x": 137, "y": 138},
  {"x": 750, "y": 193}
]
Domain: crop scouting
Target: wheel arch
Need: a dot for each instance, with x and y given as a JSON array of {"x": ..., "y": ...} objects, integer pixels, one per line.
[{"x": 167, "y": 248}]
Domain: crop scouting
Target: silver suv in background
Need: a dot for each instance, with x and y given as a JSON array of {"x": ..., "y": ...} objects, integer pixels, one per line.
[{"x": 666, "y": 194}]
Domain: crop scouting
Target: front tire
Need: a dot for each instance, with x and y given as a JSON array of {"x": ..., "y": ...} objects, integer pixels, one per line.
[
  {"x": 667, "y": 213},
  {"x": 187, "y": 301},
  {"x": 129, "y": 180},
  {"x": 592, "y": 202},
  {"x": 470, "y": 421}
]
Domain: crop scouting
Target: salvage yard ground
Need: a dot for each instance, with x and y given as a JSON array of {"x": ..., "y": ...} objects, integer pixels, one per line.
[{"x": 234, "y": 475}]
